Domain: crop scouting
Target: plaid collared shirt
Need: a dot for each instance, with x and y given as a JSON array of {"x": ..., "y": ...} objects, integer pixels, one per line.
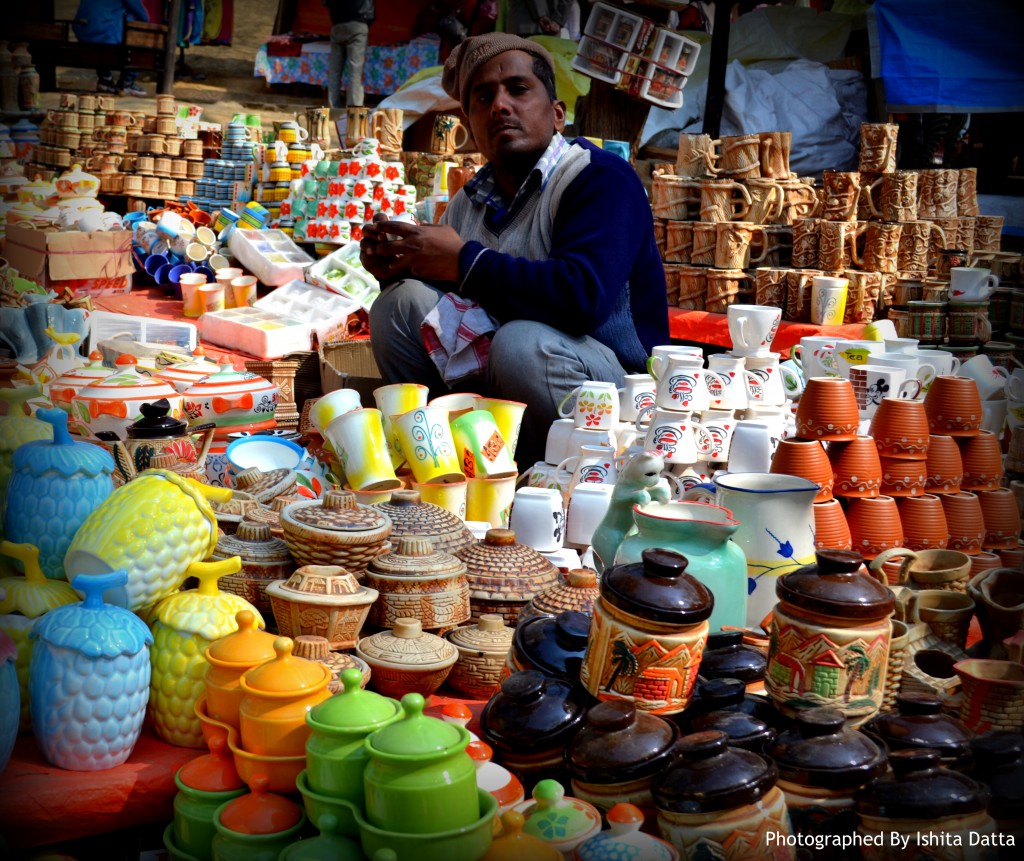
[{"x": 483, "y": 190}]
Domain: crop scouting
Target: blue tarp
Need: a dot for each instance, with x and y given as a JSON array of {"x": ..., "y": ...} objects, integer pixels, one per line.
[{"x": 953, "y": 57}]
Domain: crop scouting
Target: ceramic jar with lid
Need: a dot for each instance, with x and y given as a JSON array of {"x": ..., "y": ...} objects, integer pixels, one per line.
[
  {"x": 65, "y": 387},
  {"x": 724, "y": 705},
  {"x": 726, "y": 656},
  {"x": 335, "y": 755},
  {"x": 919, "y": 722},
  {"x": 330, "y": 845},
  {"x": 204, "y": 784},
  {"x": 76, "y": 183},
  {"x": 264, "y": 559},
  {"x": 554, "y": 645},
  {"x": 829, "y": 638},
  {"x": 412, "y": 516},
  {"x": 416, "y": 581},
  {"x": 999, "y": 764},
  {"x": 624, "y": 839},
  {"x": 648, "y": 632},
  {"x": 157, "y": 432},
  {"x": 918, "y": 806},
  {"x": 419, "y": 779},
  {"x": 482, "y": 649},
  {"x": 315, "y": 648},
  {"x": 616, "y": 754},
  {"x": 228, "y": 658},
  {"x": 336, "y": 530},
  {"x": 504, "y": 574},
  {"x": 722, "y": 802},
  {"x": 406, "y": 659},
  {"x": 183, "y": 375},
  {"x": 231, "y": 398},
  {"x": 513, "y": 845},
  {"x": 257, "y": 826},
  {"x": 325, "y": 600},
  {"x": 576, "y": 591},
  {"x": 530, "y": 721},
  {"x": 276, "y": 697},
  {"x": 560, "y": 821},
  {"x": 821, "y": 764}
]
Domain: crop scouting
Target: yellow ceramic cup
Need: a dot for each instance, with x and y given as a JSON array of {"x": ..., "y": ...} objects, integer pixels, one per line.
[
  {"x": 490, "y": 500},
  {"x": 333, "y": 404},
  {"x": 358, "y": 440},
  {"x": 192, "y": 302},
  {"x": 393, "y": 400},
  {"x": 480, "y": 446},
  {"x": 508, "y": 415},
  {"x": 427, "y": 444},
  {"x": 451, "y": 496},
  {"x": 457, "y": 403}
]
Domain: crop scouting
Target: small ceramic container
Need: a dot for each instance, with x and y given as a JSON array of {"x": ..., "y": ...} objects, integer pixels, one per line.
[
  {"x": 807, "y": 459},
  {"x": 554, "y": 645},
  {"x": 231, "y": 398},
  {"x": 577, "y": 591},
  {"x": 924, "y": 522},
  {"x": 417, "y": 581},
  {"x": 899, "y": 428},
  {"x": 560, "y": 821},
  {"x": 511, "y": 844},
  {"x": 832, "y": 621},
  {"x": 231, "y": 513},
  {"x": 902, "y": 477},
  {"x": 624, "y": 840},
  {"x": 724, "y": 705},
  {"x": 918, "y": 722},
  {"x": 335, "y": 530},
  {"x": 965, "y": 520},
  {"x": 482, "y": 648},
  {"x": 504, "y": 574},
  {"x": 944, "y": 466},
  {"x": 993, "y": 694},
  {"x": 156, "y": 433},
  {"x": 325, "y": 600},
  {"x": 257, "y": 826},
  {"x": 66, "y": 386},
  {"x": 410, "y": 515},
  {"x": 313, "y": 647},
  {"x": 228, "y": 658},
  {"x": 642, "y": 604},
  {"x": 999, "y": 764},
  {"x": 270, "y": 515},
  {"x": 953, "y": 406},
  {"x": 183, "y": 375},
  {"x": 1002, "y": 519},
  {"x": 204, "y": 784},
  {"x": 727, "y": 657},
  {"x": 827, "y": 410},
  {"x": 722, "y": 800},
  {"x": 406, "y": 659},
  {"x": 264, "y": 559},
  {"x": 855, "y": 467},
  {"x": 330, "y": 845},
  {"x": 874, "y": 525},
  {"x": 919, "y": 804},
  {"x": 831, "y": 531},
  {"x": 982, "y": 458}
]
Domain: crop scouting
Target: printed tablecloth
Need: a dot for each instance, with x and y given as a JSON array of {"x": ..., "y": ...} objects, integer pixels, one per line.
[{"x": 387, "y": 66}]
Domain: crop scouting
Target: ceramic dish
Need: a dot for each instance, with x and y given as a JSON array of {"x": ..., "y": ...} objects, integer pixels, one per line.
[{"x": 265, "y": 452}]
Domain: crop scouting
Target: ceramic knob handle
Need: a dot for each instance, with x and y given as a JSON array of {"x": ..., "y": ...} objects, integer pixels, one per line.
[
  {"x": 906, "y": 762},
  {"x": 702, "y": 745},
  {"x": 820, "y": 721}
]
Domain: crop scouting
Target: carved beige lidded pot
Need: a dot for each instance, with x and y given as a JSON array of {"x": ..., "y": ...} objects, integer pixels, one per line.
[
  {"x": 406, "y": 659},
  {"x": 577, "y": 590},
  {"x": 264, "y": 559},
  {"x": 325, "y": 600},
  {"x": 410, "y": 515},
  {"x": 482, "y": 649},
  {"x": 335, "y": 530}
]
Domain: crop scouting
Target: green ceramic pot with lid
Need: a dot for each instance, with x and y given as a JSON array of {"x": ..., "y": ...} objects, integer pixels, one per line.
[
  {"x": 335, "y": 755},
  {"x": 257, "y": 826},
  {"x": 331, "y": 845},
  {"x": 204, "y": 784},
  {"x": 420, "y": 779}
]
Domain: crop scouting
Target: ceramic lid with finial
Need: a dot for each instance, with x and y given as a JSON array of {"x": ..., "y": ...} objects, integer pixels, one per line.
[
  {"x": 354, "y": 709},
  {"x": 919, "y": 722},
  {"x": 576, "y": 591},
  {"x": 408, "y": 645},
  {"x": 555, "y": 645},
  {"x": 558, "y": 819},
  {"x": 331, "y": 845},
  {"x": 266, "y": 486},
  {"x": 490, "y": 635},
  {"x": 214, "y": 772},
  {"x": 822, "y": 752},
  {"x": 286, "y": 673},
  {"x": 35, "y": 593},
  {"x": 246, "y": 647},
  {"x": 253, "y": 542},
  {"x": 418, "y": 735},
  {"x": 323, "y": 584},
  {"x": 415, "y": 556},
  {"x": 206, "y": 610},
  {"x": 710, "y": 775},
  {"x": 918, "y": 787},
  {"x": 513, "y": 844},
  {"x": 530, "y": 710},
  {"x": 727, "y": 657},
  {"x": 618, "y": 743},
  {"x": 155, "y": 422},
  {"x": 338, "y": 511},
  {"x": 412, "y": 516},
  {"x": 500, "y": 568},
  {"x": 625, "y": 840},
  {"x": 260, "y": 811},
  {"x": 127, "y": 381},
  {"x": 64, "y": 387},
  {"x": 658, "y": 589},
  {"x": 837, "y": 586},
  {"x": 62, "y": 454},
  {"x": 92, "y": 627}
]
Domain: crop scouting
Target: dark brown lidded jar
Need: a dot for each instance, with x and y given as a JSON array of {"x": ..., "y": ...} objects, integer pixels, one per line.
[
  {"x": 723, "y": 704},
  {"x": 727, "y": 657},
  {"x": 554, "y": 645},
  {"x": 919, "y": 722}
]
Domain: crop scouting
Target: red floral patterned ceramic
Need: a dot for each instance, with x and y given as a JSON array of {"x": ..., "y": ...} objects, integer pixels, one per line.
[
  {"x": 231, "y": 398},
  {"x": 67, "y": 385}
]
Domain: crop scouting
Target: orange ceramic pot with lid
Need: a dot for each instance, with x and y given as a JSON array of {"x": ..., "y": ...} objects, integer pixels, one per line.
[
  {"x": 276, "y": 697},
  {"x": 229, "y": 658}
]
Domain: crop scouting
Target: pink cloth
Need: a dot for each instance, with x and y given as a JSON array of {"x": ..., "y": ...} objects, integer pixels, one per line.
[{"x": 457, "y": 334}]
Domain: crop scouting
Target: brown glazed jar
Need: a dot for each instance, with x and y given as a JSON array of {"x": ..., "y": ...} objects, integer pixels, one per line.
[
  {"x": 727, "y": 657},
  {"x": 616, "y": 754},
  {"x": 554, "y": 645},
  {"x": 829, "y": 638},
  {"x": 999, "y": 764},
  {"x": 723, "y": 704},
  {"x": 821, "y": 764},
  {"x": 919, "y": 722}
]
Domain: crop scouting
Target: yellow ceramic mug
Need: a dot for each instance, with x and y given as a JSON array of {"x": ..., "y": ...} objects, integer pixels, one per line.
[
  {"x": 481, "y": 447},
  {"x": 427, "y": 444},
  {"x": 335, "y": 403},
  {"x": 358, "y": 440},
  {"x": 490, "y": 500}
]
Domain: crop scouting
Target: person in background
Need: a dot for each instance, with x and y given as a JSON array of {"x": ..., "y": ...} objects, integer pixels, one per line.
[
  {"x": 350, "y": 29},
  {"x": 543, "y": 271},
  {"x": 535, "y": 17},
  {"x": 102, "y": 21}
]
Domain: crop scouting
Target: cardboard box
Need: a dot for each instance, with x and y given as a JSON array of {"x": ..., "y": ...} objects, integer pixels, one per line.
[
  {"x": 349, "y": 365},
  {"x": 98, "y": 264}
]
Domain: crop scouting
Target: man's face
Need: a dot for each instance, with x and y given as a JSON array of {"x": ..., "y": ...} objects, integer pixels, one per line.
[{"x": 510, "y": 113}]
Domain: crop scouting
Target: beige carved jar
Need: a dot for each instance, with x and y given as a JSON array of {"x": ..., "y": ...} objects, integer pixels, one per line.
[
  {"x": 316, "y": 648},
  {"x": 416, "y": 581},
  {"x": 576, "y": 591},
  {"x": 406, "y": 659},
  {"x": 335, "y": 530},
  {"x": 410, "y": 515},
  {"x": 505, "y": 575},
  {"x": 264, "y": 559},
  {"x": 325, "y": 600},
  {"x": 482, "y": 649},
  {"x": 271, "y": 514}
]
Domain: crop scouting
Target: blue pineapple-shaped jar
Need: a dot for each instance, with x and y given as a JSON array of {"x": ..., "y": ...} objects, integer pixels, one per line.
[
  {"x": 54, "y": 486},
  {"x": 10, "y": 696},
  {"x": 89, "y": 679}
]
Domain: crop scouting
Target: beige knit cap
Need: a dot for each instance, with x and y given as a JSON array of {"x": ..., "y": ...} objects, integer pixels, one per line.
[{"x": 471, "y": 54}]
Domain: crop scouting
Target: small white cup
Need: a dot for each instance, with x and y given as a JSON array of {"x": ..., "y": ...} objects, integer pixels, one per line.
[
  {"x": 752, "y": 328},
  {"x": 991, "y": 379},
  {"x": 751, "y": 449},
  {"x": 537, "y": 518},
  {"x": 588, "y": 504}
]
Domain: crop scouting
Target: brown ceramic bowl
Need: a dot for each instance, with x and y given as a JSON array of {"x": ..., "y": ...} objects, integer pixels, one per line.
[
  {"x": 965, "y": 521},
  {"x": 831, "y": 531},
  {"x": 900, "y": 428},
  {"x": 985, "y": 561},
  {"x": 1013, "y": 557},
  {"x": 902, "y": 477},
  {"x": 983, "y": 461},
  {"x": 953, "y": 406},
  {"x": 855, "y": 467},
  {"x": 805, "y": 458},
  {"x": 944, "y": 466},
  {"x": 1002, "y": 519},
  {"x": 874, "y": 525},
  {"x": 827, "y": 410},
  {"x": 924, "y": 522}
]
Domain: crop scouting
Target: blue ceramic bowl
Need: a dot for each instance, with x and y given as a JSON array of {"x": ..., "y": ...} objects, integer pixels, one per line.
[
  {"x": 177, "y": 271},
  {"x": 154, "y": 262}
]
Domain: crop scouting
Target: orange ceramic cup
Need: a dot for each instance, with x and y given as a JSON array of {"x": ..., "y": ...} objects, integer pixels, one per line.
[
  {"x": 1002, "y": 519},
  {"x": 983, "y": 461},
  {"x": 900, "y": 428},
  {"x": 874, "y": 525},
  {"x": 856, "y": 468},
  {"x": 902, "y": 477},
  {"x": 831, "y": 530},
  {"x": 827, "y": 410},
  {"x": 965, "y": 521},
  {"x": 924, "y": 522},
  {"x": 953, "y": 406},
  {"x": 805, "y": 458},
  {"x": 944, "y": 467}
]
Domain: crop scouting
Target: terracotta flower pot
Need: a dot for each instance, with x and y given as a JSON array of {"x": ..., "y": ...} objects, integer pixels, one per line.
[
  {"x": 985, "y": 561},
  {"x": 903, "y": 478},
  {"x": 1002, "y": 519},
  {"x": 805, "y": 458},
  {"x": 983, "y": 462},
  {"x": 953, "y": 406},
  {"x": 827, "y": 410},
  {"x": 831, "y": 531},
  {"x": 1013, "y": 557},
  {"x": 900, "y": 429},
  {"x": 924, "y": 522},
  {"x": 944, "y": 466},
  {"x": 965, "y": 521},
  {"x": 856, "y": 468},
  {"x": 875, "y": 525}
]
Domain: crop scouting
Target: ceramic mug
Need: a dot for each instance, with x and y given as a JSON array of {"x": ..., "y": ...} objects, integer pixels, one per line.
[
  {"x": 358, "y": 439},
  {"x": 751, "y": 449},
  {"x": 991, "y": 379},
  {"x": 850, "y": 353},
  {"x": 731, "y": 371},
  {"x": 660, "y": 355},
  {"x": 480, "y": 446},
  {"x": 636, "y": 393},
  {"x": 915, "y": 365},
  {"x": 593, "y": 464},
  {"x": 686, "y": 385},
  {"x": 752, "y": 328},
  {"x": 720, "y": 426},
  {"x": 968, "y": 284},
  {"x": 768, "y": 382},
  {"x": 588, "y": 504},
  {"x": 508, "y": 416},
  {"x": 328, "y": 407},
  {"x": 445, "y": 139},
  {"x": 816, "y": 356},
  {"x": 676, "y": 437},
  {"x": 394, "y": 400},
  {"x": 596, "y": 406},
  {"x": 538, "y": 519},
  {"x": 490, "y": 500},
  {"x": 872, "y": 383},
  {"x": 426, "y": 442},
  {"x": 557, "y": 440}
]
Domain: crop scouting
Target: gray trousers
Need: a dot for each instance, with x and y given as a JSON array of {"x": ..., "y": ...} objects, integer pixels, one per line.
[
  {"x": 348, "y": 48},
  {"x": 528, "y": 361}
]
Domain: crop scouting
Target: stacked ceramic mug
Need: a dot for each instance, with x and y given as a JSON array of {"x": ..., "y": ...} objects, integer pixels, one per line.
[{"x": 229, "y": 178}]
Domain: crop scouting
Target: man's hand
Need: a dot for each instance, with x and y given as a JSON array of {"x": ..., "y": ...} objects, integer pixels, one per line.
[
  {"x": 548, "y": 25},
  {"x": 391, "y": 250}
]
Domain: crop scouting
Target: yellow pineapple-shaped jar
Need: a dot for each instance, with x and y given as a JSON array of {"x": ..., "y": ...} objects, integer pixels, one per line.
[
  {"x": 22, "y": 601},
  {"x": 184, "y": 625}
]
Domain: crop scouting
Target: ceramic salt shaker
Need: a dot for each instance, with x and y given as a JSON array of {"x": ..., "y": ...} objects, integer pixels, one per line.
[
  {"x": 625, "y": 840},
  {"x": 89, "y": 679}
]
